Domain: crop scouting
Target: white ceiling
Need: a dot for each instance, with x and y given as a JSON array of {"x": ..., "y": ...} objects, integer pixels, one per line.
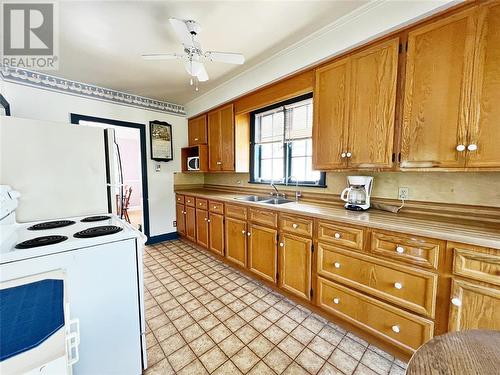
[{"x": 101, "y": 41}]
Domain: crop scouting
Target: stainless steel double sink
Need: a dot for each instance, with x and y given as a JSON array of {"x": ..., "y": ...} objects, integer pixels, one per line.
[{"x": 267, "y": 200}]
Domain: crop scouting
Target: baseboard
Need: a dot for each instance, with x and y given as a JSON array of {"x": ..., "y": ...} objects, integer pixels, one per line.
[{"x": 162, "y": 237}]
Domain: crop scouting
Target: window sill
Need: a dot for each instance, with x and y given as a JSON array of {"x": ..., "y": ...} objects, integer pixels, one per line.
[{"x": 289, "y": 185}]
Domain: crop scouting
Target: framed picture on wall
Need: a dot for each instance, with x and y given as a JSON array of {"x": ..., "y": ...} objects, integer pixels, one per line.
[
  {"x": 4, "y": 106},
  {"x": 160, "y": 136}
]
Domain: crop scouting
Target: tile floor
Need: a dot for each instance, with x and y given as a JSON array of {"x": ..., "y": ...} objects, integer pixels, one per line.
[{"x": 204, "y": 316}]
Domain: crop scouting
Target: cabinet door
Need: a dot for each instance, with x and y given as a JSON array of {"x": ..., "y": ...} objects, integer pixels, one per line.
[
  {"x": 236, "y": 241},
  {"x": 227, "y": 138},
  {"x": 197, "y": 130},
  {"x": 295, "y": 265},
  {"x": 372, "y": 106},
  {"x": 214, "y": 141},
  {"x": 181, "y": 219},
  {"x": 485, "y": 114},
  {"x": 437, "y": 92},
  {"x": 190, "y": 223},
  {"x": 331, "y": 103},
  {"x": 202, "y": 227},
  {"x": 262, "y": 257},
  {"x": 474, "y": 306},
  {"x": 216, "y": 237}
]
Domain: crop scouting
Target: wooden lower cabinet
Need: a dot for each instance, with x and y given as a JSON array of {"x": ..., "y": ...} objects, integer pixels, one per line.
[
  {"x": 180, "y": 216},
  {"x": 401, "y": 328},
  {"x": 190, "y": 223},
  {"x": 202, "y": 227},
  {"x": 295, "y": 265},
  {"x": 474, "y": 306},
  {"x": 216, "y": 233},
  {"x": 236, "y": 241},
  {"x": 262, "y": 257}
]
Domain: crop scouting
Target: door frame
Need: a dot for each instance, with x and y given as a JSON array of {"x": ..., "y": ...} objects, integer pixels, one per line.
[{"x": 75, "y": 119}]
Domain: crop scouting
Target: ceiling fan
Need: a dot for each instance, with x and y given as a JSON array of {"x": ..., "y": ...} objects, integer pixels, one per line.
[{"x": 187, "y": 31}]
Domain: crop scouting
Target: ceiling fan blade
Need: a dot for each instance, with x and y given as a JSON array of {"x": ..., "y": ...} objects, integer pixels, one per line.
[
  {"x": 225, "y": 57},
  {"x": 202, "y": 74},
  {"x": 163, "y": 56},
  {"x": 182, "y": 32},
  {"x": 193, "y": 67}
]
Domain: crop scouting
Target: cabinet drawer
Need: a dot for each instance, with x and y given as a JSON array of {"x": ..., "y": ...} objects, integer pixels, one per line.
[
  {"x": 478, "y": 263},
  {"x": 179, "y": 199},
  {"x": 190, "y": 201},
  {"x": 341, "y": 235},
  {"x": 407, "y": 287},
  {"x": 201, "y": 204},
  {"x": 237, "y": 212},
  {"x": 295, "y": 225},
  {"x": 420, "y": 251},
  {"x": 402, "y": 328},
  {"x": 264, "y": 217},
  {"x": 216, "y": 207}
]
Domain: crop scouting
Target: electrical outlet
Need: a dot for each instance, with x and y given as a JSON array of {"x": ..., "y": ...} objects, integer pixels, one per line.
[
  {"x": 404, "y": 193},
  {"x": 175, "y": 223}
]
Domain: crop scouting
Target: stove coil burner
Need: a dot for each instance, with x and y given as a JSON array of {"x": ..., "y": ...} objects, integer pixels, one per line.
[
  {"x": 98, "y": 231},
  {"x": 40, "y": 241},
  {"x": 91, "y": 219},
  {"x": 51, "y": 224}
]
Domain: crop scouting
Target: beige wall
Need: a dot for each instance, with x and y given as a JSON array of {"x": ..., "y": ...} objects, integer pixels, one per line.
[{"x": 481, "y": 188}]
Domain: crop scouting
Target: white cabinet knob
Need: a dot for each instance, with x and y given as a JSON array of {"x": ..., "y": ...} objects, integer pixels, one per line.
[
  {"x": 219, "y": 163},
  {"x": 208, "y": 221},
  {"x": 282, "y": 244},
  {"x": 472, "y": 147},
  {"x": 398, "y": 285},
  {"x": 196, "y": 139},
  {"x": 396, "y": 329},
  {"x": 248, "y": 233},
  {"x": 348, "y": 154},
  {"x": 343, "y": 155},
  {"x": 460, "y": 148},
  {"x": 215, "y": 207},
  {"x": 400, "y": 249},
  {"x": 201, "y": 204},
  {"x": 336, "y": 301},
  {"x": 243, "y": 231},
  {"x": 295, "y": 226},
  {"x": 337, "y": 235},
  {"x": 336, "y": 265},
  {"x": 455, "y": 301}
]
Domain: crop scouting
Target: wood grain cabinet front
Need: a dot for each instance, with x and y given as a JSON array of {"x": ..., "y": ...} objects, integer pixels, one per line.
[
  {"x": 401, "y": 328},
  {"x": 296, "y": 225},
  {"x": 202, "y": 227},
  {"x": 343, "y": 235},
  {"x": 190, "y": 223},
  {"x": 179, "y": 198},
  {"x": 420, "y": 251},
  {"x": 190, "y": 201},
  {"x": 221, "y": 152},
  {"x": 262, "y": 252},
  {"x": 236, "y": 241},
  {"x": 197, "y": 130},
  {"x": 201, "y": 204},
  {"x": 264, "y": 217},
  {"x": 216, "y": 233},
  {"x": 474, "y": 306},
  {"x": 295, "y": 254},
  {"x": 180, "y": 216},
  {"x": 477, "y": 263},
  {"x": 216, "y": 207},
  {"x": 404, "y": 286},
  {"x": 236, "y": 211}
]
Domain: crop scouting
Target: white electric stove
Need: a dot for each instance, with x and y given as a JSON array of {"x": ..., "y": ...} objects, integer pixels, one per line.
[{"x": 101, "y": 256}]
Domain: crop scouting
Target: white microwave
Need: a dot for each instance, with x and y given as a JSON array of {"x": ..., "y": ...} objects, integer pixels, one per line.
[{"x": 193, "y": 163}]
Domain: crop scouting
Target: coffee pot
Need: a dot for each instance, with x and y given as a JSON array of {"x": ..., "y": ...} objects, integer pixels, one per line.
[{"x": 357, "y": 194}]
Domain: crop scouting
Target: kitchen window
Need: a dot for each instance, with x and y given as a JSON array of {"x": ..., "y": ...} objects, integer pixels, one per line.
[{"x": 281, "y": 144}]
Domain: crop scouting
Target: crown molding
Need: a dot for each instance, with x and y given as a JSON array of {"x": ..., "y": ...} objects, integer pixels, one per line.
[{"x": 48, "y": 82}]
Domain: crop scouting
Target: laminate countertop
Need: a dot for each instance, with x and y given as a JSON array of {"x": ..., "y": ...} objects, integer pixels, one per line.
[{"x": 479, "y": 235}]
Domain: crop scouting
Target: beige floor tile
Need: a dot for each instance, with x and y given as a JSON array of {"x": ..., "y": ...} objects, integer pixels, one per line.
[
  {"x": 228, "y": 368},
  {"x": 286, "y": 324},
  {"x": 213, "y": 358},
  {"x": 277, "y": 360},
  {"x": 260, "y": 323},
  {"x": 274, "y": 334},
  {"x": 343, "y": 362},
  {"x": 165, "y": 332},
  {"x": 396, "y": 370},
  {"x": 261, "y": 369},
  {"x": 272, "y": 314},
  {"x": 246, "y": 333},
  {"x": 155, "y": 355},
  {"x": 331, "y": 335},
  {"x": 310, "y": 361},
  {"x": 230, "y": 345},
  {"x": 181, "y": 358},
  {"x": 245, "y": 359},
  {"x": 234, "y": 323},
  {"x": 321, "y": 347},
  {"x": 192, "y": 332},
  {"x": 352, "y": 347},
  {"x": 219, "y": 333},
  {"x": 223, "y": 313},
  {"x": 295, "y": 369},
  {"x": 302, "y": 334},
  {"x": 150, "y": 340},
  {"x": 313, "y": 324},
  {"x": 183, "y": 322},
  {"x": 376, "y": 362},
  {"x": 161, "y": 368},
  {"x": 328, "y": 369},
  {"x": 363, "y": 370},
  {"x": 248, "y": 314},
  {"x": 200, "y": 313},
  {"x": 194, "y": 368},
  {"x": 209, "y": 322},
  {"x": 260, "y": 346},
  {"x": 201, "y": 345},
  {"x": 171, "y": 344},
  {"x": 291, "y": 347},
  {"x": 158, "y": 321}
]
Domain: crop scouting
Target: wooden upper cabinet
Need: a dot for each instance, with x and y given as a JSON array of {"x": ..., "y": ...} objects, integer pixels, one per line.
[
  {"x": 484, "y": 131},
  {"x": 437, "y": 92},
  {"x": 331, "y": 102},
  {"x": 197, "y": 130},
  {"x": 372, "y": 106},
  {"x": 221, "y": 139}
]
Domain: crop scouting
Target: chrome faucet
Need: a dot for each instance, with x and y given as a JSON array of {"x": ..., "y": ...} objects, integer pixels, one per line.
[
  {"x": 278, "y": 194},
  {"x": 298, "y": 194}
]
